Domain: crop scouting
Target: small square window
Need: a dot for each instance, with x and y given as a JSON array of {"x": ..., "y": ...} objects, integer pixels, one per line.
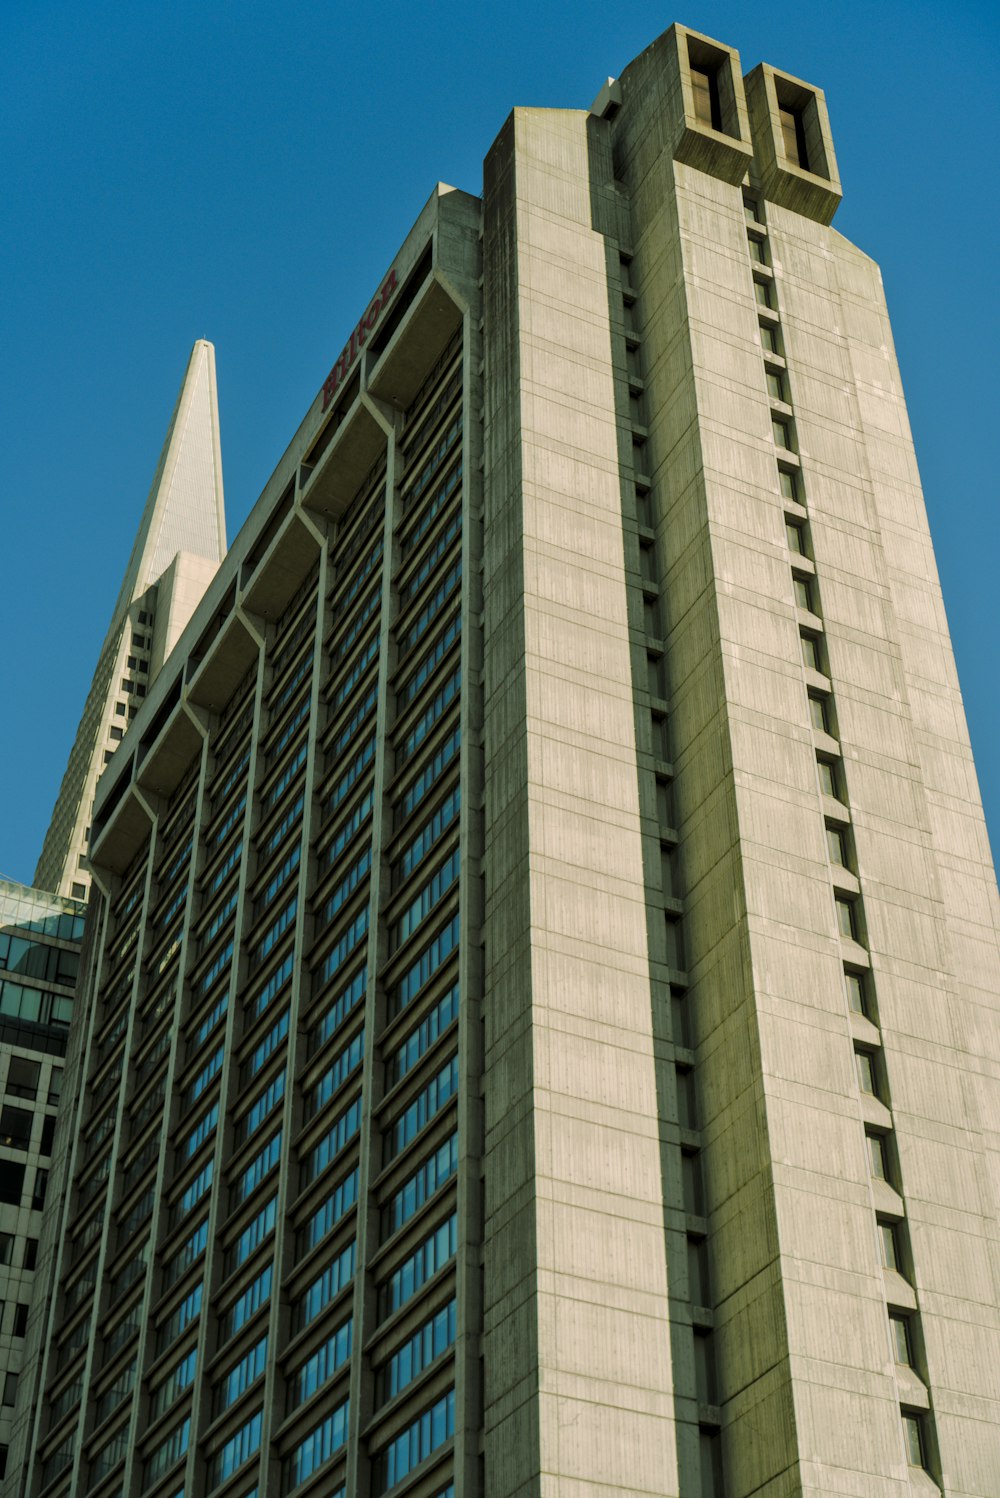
[
  {"x": 856, "y": 993},
  {"x": 902, "y": 1347},
  {"x": 818, "y": 715},
  {"x": 120, "y": 709},
  {"x": 846, "y": 918},
  {"x": 117, "y": 733},
  {"x": 866, "y": 1073},
  {"x": 878, "y": 1156},
  {"x": 889, "y": 1244},
  {"x": 109, "y": 755},
  {"x": 79, "y": 891},
  {"x": 913, "y": 1437}
]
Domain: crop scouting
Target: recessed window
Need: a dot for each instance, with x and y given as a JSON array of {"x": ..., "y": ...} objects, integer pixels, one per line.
[
  {"x": 758, "y": 249},
  {"x": 782, "y": 432},
  {"x": 867, "y": 1080},
  {"x": 878, "y": 1156},
  {"x": 913, "y": 1438},
  {"x": 829, "y": 778},
  {"x": 812, "y": 653},
  {"x": 20, "y": 1319},
  {"x": 120, "y": 709},
  {"x": 6, "y": 1248},
  {"x": 10, "y": 1389},
  {"x": 79, "y": 891},
  {"x": 836, "y": 845},
  {"x": 902, "y": 1346},
  {"x": 117, "y": 733},
  {"x": 819, "y": 717},
  {"x": 763, "y": 292},
  {"x": 795, "y": 536},
  {"x": 30, "y": 1253},
  {"x": 109, "y": 755},
  {"x": 769, "y": 338},
  {"x": 889, "y": 1244},
  {"x": 791, "y": 484},
  {"x": 751, "y": 211},
  {"x": 804, "y": 593},
  {"x": 846, "y": 918},
  {"x": 856, "y": 997},
  {"x": 776, "y": 385}
]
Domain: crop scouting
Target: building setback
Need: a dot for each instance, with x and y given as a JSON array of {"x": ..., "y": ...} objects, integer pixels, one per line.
[
  {"x": 179, "y": 544},
  {"x": 539, "y": 1028}
]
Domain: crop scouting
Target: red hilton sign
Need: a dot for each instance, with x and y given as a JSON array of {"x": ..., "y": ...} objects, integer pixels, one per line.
[{"x": 358, "y": 338}]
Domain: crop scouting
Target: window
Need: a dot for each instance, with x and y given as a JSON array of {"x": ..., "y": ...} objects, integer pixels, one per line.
[
  {"x": 318, "y": 1447},
  {"x": 120, "y": 709},
  {"x": 758, "y": 249},
  {"x": 116, "y": 733},
  {"x": 30, "y": 1253},
  {"x": 751, "y": 211},
  {"x": 769, "y": 338},
  {"x": 431, "y": 1430},
  {"x": 776, "y": 385},
  {"x": 323, "y": 1364},
  {"x": 902, "y": 1346},
  {"x": 836, "y": 845},
  {"x": 878, "y": 1156},
  {"x": 846, "y": 918},
  {"x": 241, "y": 1376},
  {"x": 180, "y": 1377},
  {"x": 889, "y": 1244},
  {"x": 326, "y": 1288},
  {"x": 421, "y": 1186},
  {"x": 417, "y": 1353},
  {"x": 795, "y": 536},
  {"x": 804, "y": 593},
  {"x": 20, "y": 1327},
  {"x": 782, "y": 432},
  {"x": 867, "y": 1078},
  {"x": 913, "y": 1437},
  {"x": 237, "y": 1450},
  {"x": 764, "y": 294},
  {"x": 15, "y": 1128},
  {"x": 425, "y": 1261},
  {"x": 257, "y": 1293},
  {"x": 856, "y": 993},
  {"x": 168, "y": 1452},
  {"x": 10, "y": 1389},
  {"x": 818, "y": 716},
  {"x": 829, "y": 778},
  {"x": 22, "y": 1078},
  {"x": 254, "y": 1234},
  {"x": 811, "y": 653}
]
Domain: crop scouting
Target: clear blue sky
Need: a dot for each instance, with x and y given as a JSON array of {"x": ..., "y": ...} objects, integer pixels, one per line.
[{"x": 244, "y": 172}]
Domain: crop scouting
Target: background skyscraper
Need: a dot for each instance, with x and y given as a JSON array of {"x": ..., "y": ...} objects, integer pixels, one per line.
[{"x": 545, "y": 916}]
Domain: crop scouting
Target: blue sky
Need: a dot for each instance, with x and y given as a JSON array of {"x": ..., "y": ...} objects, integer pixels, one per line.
[{"x": 244, "y": 173}]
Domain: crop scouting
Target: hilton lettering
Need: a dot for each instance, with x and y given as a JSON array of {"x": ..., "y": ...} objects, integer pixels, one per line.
[{"x": 358, "y": 337}]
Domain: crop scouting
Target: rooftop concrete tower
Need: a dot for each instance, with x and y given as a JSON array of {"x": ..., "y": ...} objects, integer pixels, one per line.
[
  {"x": 538, "y": 1035},
  {"x": 180, "y": 543}
]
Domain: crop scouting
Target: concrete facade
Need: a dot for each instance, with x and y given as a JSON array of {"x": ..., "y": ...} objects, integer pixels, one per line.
[{"x": 541, "y": 1033}]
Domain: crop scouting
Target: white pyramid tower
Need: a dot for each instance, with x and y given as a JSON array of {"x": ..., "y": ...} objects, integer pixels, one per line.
[{"x": 180, "y": 542}]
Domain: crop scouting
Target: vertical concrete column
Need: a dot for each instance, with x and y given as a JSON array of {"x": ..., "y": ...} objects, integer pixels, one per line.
[{"x": 578, "y": 1381}]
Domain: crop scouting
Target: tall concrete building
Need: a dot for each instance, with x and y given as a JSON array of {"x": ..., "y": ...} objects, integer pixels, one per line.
[
  {"x": 539, "y": 1028},
  {"x": 180, "y": 543}
]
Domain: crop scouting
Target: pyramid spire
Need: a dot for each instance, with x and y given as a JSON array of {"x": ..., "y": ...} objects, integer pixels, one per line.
[{"x": 178, "y": 547}]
